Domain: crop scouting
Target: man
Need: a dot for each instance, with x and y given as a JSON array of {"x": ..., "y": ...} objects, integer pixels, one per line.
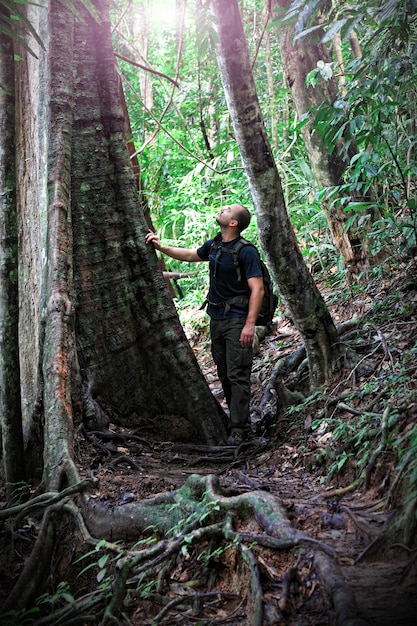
[{"x": 232, "y": 328}]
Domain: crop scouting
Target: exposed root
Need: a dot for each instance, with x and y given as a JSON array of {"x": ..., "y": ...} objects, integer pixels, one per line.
[
  {"x": 288, "y": 578},
  {"x": 343, "y": 600},
  {"x": 31, "y": 577},
  {"x": 384, "y": 434},
  {"x": 256, "y": 596},
  {"x": 193, "y": 599}
]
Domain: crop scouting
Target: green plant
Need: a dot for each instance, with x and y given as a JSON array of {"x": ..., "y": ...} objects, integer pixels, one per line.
[
  {"x": 207, "y": 555},
  {"x": 62, "y": 595},
  {"x": 199, "y": 513},
  {"x": 145, "y": 588},
  {"x": 102, "y": 557},
  {"x": 20, "y": 618},
  {"x": 19, "y": 491}
]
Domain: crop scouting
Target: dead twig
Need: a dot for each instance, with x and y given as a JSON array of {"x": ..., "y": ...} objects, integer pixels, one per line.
[{"x": 341, "y": 491}]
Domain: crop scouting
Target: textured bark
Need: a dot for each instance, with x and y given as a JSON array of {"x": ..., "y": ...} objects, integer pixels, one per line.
[
  {"x": 277, "y": 237},
  {"x": 131, "y": 348},
  {"x": 97, "y": 327},
  {"x": 10, "y": 408},
  {"x": 299, "y": 59},
  {"x": 31, "y": 167},
  {"x": 271, "y": 94},
  {"x": 59, "y": 357}
]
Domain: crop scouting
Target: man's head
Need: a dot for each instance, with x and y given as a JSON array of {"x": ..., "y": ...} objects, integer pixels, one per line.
[{"x": 234, "y": 216}]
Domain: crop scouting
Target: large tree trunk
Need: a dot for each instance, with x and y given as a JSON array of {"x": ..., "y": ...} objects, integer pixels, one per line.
[
  {"x": 97, "y": 327},
  {"x": 10, "y": 410},
  {"x": 299, "y": 59},
  {"x": 310, "y": 315}
]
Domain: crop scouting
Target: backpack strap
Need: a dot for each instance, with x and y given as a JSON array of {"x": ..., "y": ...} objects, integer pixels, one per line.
[
  {"x": 241, "y": 302},
  {"x": 216, "y": 244},
  {"x": 235, "y": 252}
]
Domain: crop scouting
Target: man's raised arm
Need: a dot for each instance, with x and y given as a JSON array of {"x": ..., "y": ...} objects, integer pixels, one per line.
[{"x": 180, "y": 254}]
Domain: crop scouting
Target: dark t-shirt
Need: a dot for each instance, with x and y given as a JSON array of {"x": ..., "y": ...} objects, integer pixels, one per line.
[{"x": 224, "y": 281}]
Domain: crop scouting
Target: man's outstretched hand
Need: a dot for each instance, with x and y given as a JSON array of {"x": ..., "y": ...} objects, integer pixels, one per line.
[{"x": 153, "y": 238}]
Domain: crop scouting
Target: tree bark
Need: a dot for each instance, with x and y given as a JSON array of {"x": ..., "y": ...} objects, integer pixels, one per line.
[
  {"x": 309, "y": 313},
  {"x": 97, "y": 327},
  {"x": 10, "y": 406}
]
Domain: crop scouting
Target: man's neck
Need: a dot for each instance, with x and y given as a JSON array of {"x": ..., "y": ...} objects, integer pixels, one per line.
[{"x": 228, "y": 234}]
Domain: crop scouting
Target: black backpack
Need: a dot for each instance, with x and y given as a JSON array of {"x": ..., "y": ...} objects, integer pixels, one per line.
[{"x": 270, "y": 299}]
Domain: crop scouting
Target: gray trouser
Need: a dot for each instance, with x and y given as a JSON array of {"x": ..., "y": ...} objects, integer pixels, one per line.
[{"x": 234, "y": 364}]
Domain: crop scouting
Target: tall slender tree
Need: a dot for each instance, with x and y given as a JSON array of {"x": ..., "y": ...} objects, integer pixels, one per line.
[
  {"x": 299, "y": 58},
  {"x": 276, "y": 233}
]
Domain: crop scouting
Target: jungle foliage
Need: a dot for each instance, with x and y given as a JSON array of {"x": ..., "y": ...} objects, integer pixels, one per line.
[{"x": 185, "y": 145}]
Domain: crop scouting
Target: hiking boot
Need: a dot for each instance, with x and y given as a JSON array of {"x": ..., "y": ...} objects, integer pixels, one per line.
[{"x": 235, "y": 439}]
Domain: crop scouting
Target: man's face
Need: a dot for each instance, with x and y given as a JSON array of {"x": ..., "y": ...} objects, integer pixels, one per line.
[{"x": 225, "y": 216}]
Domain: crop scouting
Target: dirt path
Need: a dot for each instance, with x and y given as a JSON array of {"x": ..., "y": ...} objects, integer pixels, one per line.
[
  {"x": 285, "y": 459},
  {"x": 346, "y": 525}
]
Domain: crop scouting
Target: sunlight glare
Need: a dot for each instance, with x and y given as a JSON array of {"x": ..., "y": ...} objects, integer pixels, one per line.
[{"x": 163, "y": 13}]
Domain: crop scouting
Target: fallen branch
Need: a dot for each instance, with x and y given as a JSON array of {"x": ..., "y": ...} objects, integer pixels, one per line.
[{"x": 341, "y": 491}]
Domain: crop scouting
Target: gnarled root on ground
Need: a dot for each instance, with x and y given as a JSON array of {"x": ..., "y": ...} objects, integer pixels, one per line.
[{"x": 193, "y": 551}]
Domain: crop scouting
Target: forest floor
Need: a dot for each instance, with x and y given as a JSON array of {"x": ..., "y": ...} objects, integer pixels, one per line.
[
  {"x": 317, "y": 460},
  {"x": 332, "y": 461}
]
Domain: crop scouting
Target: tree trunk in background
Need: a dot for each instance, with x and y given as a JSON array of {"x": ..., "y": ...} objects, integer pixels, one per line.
[
  {"x": 337, "y": 47},
  {"x": 310, "y": 314},
  {"x": 299, "y": 59},
  {"x": 10, "y": 407},
  {"x": 97, "y": 327},
  {"x": 271, "y": 93},
  {"x": 355, "y": 45},
  {"x": 141, "y": 43}
]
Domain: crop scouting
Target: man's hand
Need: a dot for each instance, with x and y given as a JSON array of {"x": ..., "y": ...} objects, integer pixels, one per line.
[
  {"x": 153, "y": 238},
  {"x": 247, "y": 335}
]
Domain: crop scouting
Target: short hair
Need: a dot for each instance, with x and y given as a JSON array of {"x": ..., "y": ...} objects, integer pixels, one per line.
[{"x": 242, "y": 216}]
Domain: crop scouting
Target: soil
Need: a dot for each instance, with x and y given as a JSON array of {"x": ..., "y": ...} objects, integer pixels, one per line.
[
  {"x": 292, "y": 459},
  {"x": 287, "y": 458}
]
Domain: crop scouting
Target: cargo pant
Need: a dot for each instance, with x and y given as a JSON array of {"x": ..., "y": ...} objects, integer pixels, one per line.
[{"x": 234, "y": 365}]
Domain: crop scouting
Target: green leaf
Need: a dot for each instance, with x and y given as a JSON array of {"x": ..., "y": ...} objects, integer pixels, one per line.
[
  {"x": 101, "y": 575},
  {"x": 334, "y": 28},
  {"x": 103, "y": 560}
]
